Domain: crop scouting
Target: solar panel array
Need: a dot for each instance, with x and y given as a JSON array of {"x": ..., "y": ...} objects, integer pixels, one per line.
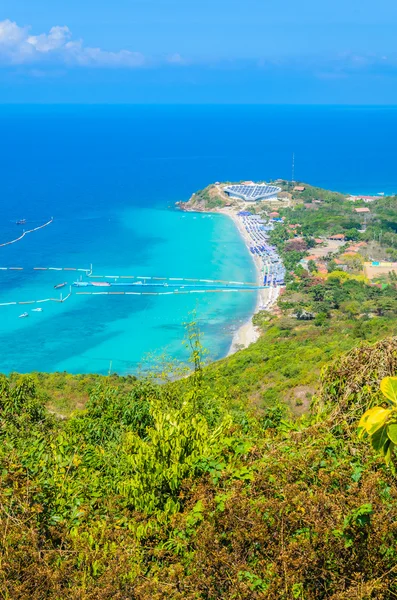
[{"x": 253, "y": 192}]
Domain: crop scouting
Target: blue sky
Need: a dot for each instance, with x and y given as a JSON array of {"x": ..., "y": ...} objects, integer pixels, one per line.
[{"x": 206, "y": 51}]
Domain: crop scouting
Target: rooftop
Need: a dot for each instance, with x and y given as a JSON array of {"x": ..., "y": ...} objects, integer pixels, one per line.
[{"x": 253, "y": 191}]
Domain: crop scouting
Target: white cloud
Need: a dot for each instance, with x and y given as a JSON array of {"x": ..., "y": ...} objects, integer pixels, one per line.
[
  {"x": 18, "y": 47},
  {"x": 176, "y": 59}
]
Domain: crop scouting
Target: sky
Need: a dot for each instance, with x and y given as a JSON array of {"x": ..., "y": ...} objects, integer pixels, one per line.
[{"x": 198, "y": 51}]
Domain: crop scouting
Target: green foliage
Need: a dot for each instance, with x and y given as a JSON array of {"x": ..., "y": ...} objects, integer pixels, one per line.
[
  {"x": 189, "y": 490},
  {"x": 19, "y": 401},
  {"x": 172, "y": 451},
  {"x": 380, "y": 424}
]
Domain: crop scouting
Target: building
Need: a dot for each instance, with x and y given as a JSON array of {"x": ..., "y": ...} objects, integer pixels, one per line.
[
  {"x": 364, "y": 198},
  {"x": 253, "y": 192},
  {"x": 299, "y": 188},
  {"x": 337, "y": 236},
  {"x": 362, "y": 210}
]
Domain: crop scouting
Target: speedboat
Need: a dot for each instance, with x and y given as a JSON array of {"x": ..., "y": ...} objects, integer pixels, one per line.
[
  {"x": 60, "y": 285},
  {"x": 37, "y": 310},
  {"x": 23, "y": 315},
  {"x": 21, "y": 222}
]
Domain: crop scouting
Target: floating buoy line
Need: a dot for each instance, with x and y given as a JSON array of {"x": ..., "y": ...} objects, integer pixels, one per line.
[
  {"x": 194, "y": 285},
  {"x": 24, "y": 233}
]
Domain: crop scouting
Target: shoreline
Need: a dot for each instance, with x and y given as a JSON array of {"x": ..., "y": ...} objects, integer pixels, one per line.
[{"x": 247, "y": 333}]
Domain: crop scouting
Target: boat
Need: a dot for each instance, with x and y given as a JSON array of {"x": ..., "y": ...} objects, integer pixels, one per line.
[
  {"x": 60, "y": 285},
  {"x": 100, "y": 283},
  {"x": 23, "y": 315},
  {"x": 21, "y": 222},
  {"x": 37, "y": 310}
]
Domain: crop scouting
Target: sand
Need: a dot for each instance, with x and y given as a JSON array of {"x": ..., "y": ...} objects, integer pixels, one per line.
[{"x": 248, "y": 334}]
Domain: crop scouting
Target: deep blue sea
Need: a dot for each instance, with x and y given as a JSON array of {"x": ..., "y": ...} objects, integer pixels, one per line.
[{"x": 110, "y": 177}]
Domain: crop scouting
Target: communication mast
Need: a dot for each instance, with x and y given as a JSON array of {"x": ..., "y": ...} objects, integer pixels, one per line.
[{"x": 293, "y": 167}]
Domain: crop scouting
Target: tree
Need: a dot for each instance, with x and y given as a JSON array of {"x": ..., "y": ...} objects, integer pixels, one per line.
[
  {"x": 351, "y": 308},
  {"x": 321, "y": 319},
  {"x": 385, "y": 305},
  {"x": 312, "y": 266},
  {"x": 352, "y": 234}
]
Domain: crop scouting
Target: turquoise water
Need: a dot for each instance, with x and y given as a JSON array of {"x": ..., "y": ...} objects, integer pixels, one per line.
[
  {"x": 95, "y": 333},
  {"x": 110, "y": 176}
]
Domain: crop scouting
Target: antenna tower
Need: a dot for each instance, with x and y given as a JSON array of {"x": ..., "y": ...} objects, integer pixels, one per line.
[{"x": 293, "y": 167}]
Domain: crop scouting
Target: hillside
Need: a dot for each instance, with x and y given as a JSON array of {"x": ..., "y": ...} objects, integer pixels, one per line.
[
  {"x": 245, "y": 480},
  {"x": 210, "y": 198},
  {"x": 178, "y": 491}
]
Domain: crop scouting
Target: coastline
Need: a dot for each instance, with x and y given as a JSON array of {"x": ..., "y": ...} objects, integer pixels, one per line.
[
  {"x": 247, "y": 333},
  {"x": 266, "y": 297}
]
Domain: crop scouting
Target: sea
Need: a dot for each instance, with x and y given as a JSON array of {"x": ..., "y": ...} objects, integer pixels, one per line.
[{"x": 110, "y": 177}]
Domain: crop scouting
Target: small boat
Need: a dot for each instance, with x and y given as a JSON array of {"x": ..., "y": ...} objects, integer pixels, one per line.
[
  {"x": 100, "y": 283},
  {"x": 37, "y": 310},
  {"x": 60, "y": 285},
  {"x": 21, "y": 222},
  {"x": 23, "y": 315}
]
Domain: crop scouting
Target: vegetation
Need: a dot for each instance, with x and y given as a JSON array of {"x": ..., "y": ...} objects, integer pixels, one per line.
[
  {"x": 380, "y": 423},
  {"x": 251, "y": 478},
  {"x": 208, "y": 198},
  {"x": 174, "y": 491}
]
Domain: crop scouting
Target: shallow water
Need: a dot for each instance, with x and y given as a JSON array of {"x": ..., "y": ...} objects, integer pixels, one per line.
[{"x": 110, "y": 176}]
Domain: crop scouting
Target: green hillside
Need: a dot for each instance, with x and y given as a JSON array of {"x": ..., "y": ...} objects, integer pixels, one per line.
[{"x": 245, "y": 480}]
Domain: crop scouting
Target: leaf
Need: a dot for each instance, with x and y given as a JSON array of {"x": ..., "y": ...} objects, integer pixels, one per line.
[
  {"x": 392, "y": 432},
  {"x": 388, "y": 452},
  {"x": 388, "y": 387},
  {"x": 379, "y": 439},
  {"x": 374, "y": 419}
]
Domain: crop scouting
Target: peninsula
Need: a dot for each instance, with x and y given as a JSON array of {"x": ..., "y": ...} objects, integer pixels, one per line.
[{"x": 266, "y": 216}]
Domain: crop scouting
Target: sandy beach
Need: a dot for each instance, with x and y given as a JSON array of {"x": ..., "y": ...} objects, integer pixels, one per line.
[{"x": 248, "y": 333}]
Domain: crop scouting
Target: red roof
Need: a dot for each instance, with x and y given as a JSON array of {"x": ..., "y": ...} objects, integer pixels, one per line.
[
  {"x": 299, "y": 188},
  {"x": 337, "y": 236},
  {"x": 274, "y": 214},
  {"x": 362, "y": 210}
]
